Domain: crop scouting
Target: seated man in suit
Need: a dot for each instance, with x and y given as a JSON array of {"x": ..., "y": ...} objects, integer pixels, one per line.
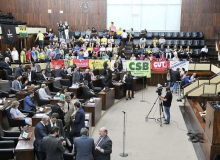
[
  {"x": 58, "y": 108},
  {"x": 29, "y": 102},
  {"x": 79, "y": 122},
  {"x": 32, "y": 75},
  {"x": 42, "y": 76},
  {"x": 6, "y": 66},
  {"x": 19, "y": 71},
  {"x": 17, "y": 85},
  {"x": 63, "y": 72},
  {"x": 55, "y": 122},
  {"x": 42, "y": 93},
  {"x": 84, "y": 147},
  {"x": 87, "y": 76},
  {"x": 88, "y": 93},
  {"x": 40, "y": 131}
]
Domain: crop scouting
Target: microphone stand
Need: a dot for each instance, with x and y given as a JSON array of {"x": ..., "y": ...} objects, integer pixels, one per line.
[{"x": 124, "y": 131}]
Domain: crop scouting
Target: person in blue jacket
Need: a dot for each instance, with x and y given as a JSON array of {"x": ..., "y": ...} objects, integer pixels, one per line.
[{"x": 29, "y": 102}]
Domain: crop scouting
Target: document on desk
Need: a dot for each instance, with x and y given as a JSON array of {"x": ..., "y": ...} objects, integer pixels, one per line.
[
  {"x": 96, "y": 99},
  {"x": 91, "y": 104},
  {"x": 39, "y": 114}
]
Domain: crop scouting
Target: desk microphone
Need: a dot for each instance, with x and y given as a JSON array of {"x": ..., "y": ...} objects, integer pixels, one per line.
[{"x": 123, "y": 111}]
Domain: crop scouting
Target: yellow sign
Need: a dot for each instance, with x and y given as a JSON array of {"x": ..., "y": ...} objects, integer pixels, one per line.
[
  {"x": 98, "y": 64},
  {"x": 22, "y": 29}
]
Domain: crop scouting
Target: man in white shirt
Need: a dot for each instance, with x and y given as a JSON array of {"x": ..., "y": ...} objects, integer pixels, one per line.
[
  {"x": 142, "y": 42},
  {"x": 193, "y": 78},
  {"x": 14, "y": 55},
  {"x": 124, "y": 37},
  {"x": 162, "y": 41},
  {"x": 204, "y": 51},
  {"x": 42, "y": 93}
]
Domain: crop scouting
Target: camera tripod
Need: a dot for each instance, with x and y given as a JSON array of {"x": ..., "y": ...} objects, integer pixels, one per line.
[{"x": 161, "y": 112}]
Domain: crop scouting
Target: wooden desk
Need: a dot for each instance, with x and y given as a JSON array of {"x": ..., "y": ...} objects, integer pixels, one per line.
[
  {"x": 77, "y": 91},
  {"x": 108, "y": 98},
  {"x": 38, "y": 116},
  {"x": 68, "y": 77},
  {"x": 25, "y": 148},
  {"x": 3, "y": 106},
  {"x": 138, "y": 83},
  {"x": 21, "y": 95},
  {"x": 119, "y": 90},
  {"x": 95, "y": 109}
]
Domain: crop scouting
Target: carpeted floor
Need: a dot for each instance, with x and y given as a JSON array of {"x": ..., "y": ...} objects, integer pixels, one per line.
[{"x": 146, "y": 140}]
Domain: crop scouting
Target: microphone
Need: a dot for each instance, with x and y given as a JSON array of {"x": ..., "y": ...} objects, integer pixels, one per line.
[{"x": 123, "y": 111}]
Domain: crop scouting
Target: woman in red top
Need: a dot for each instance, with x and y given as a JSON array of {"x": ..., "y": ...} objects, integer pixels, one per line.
[{"x": 28, "y": 55}]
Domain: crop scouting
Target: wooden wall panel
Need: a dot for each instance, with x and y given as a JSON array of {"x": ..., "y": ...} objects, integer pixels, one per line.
[
  {"x": 201, "y": 16},
  {"x": 35, "y": 13}
]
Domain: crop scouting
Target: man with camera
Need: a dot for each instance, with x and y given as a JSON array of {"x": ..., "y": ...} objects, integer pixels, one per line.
[{"x": 167, "y": 103}]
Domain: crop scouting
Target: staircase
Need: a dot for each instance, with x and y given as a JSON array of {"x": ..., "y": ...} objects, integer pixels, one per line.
[
  {"x": 213, "y": 54},
  {"x": 128, "y": 48}
]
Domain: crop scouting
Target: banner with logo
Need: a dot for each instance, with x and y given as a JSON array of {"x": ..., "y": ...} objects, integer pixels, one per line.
[
  {"x": 124, "y": 63},
  {"x": 179, "y": 64},
  {"x": 98, "y": 64},
  {"x": 9, "y": 34},
  {"x": 82, "y": 63},
  {"x": 139, "y": 68},
  {"x": 56, "y": 64},
  {"x": 160, "y": 65},
  {"x": 22, "y": 29}
]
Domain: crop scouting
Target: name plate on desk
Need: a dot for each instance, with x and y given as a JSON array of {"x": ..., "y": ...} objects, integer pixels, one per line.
[{"x": 39, "y": 114}]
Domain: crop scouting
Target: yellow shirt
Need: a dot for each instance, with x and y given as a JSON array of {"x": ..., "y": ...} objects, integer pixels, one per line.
[
  {"x": 104, "y": 40},
  {"x": 37, "y": 53},
  {"x": 119, "y": 32},
  {"x": 23, "y": 57},
  {"x": 42, "y": 55},
  {"x": 155, "y": 41},
  {"x": 89, "y": 49}
]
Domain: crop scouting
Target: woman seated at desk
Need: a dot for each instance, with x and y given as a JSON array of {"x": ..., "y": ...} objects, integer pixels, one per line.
[
  {"x": 16, "y": 114},
  {"x": 62, "y": 93}
]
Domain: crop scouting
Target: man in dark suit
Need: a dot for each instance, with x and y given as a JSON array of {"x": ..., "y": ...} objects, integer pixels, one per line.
[
  {"x": 84, "y": 147},
  {"x": 176, "y": 78},
  {"x": 42, "y": 76},
  {"x": 19, "y": 71},
  {"x": 55, "y": 122},
  {"x": 63, "y": 72},
  {"x": 32, "y": 75},
  {"x": 79, "y": 122},
  {"x": 59, "y": 108},
  {"x": 103, "y": 146},
  {"x": 88, "y": 93},
  {"x": 6, "y": 66},
  {"x": 40, "y": 131},
  {"x": 53, "y": 146}
]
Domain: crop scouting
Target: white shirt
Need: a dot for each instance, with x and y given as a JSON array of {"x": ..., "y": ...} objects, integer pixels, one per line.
[
  {"x": 109, "y": 49},
  {"x": 15, "y": 55},
  {"x": 85, "y": 54},
  {"x": 29, "y": 77},
  {"x": 133, "y": 58},
  {"x": 124, "y": 35},
  {"x": 43, "y": 94},
  {"x": 102, "y": 49},
  {"x": 204, "y": 50},
  {"x": 51, "y": 123}
]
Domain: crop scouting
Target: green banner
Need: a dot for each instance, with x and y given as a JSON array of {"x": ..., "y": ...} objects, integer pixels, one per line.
[
  {"x": 22, "y": 30},
  {"x": 139, "y": 68}
]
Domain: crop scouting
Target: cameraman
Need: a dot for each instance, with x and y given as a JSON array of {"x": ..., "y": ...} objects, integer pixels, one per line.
[{"x": 167, "y": 103}]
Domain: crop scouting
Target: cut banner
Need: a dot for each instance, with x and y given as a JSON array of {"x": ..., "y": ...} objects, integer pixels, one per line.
[
  {"x": 58, "y": 63},
  {"x": 139, "y": 68},
  {"x": 82, "y": 63},
  {"x": 160, "y": 65}
]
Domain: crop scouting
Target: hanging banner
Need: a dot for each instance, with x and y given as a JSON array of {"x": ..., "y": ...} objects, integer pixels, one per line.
[
  {"x": 56, "y": 64},
  {"x": 98, "y": 64},
  {"x": 139, "y": 68},
  {"x": 124, "y": 63},
  {"x": 82, "y": 63},
  {"x": 179, "y": 64},
  {"x": 9, "y": 34},
  {"x": 22, "y": 29},
  {"x": 160, "y": 65}
]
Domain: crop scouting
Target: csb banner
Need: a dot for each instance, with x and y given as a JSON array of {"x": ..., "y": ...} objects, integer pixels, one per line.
[
  {"x": 98, "y": 64},
  {"x": 179, "y": 64},
  {"x": 22, "y": 29},
  {"x": 139, "y": 68},
  {"x": 160, "y": 65},
  {"x": 56, "y": 64},
  {"x": 82, "y": 63}
]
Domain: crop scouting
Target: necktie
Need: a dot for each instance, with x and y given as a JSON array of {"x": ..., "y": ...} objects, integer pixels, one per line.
[
  {"x": 68, "y": 106},
  {"x": 99, "y": 140}
]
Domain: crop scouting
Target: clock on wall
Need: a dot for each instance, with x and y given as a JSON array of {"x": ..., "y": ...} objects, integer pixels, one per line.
[{"x": 84, "y": 5}]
